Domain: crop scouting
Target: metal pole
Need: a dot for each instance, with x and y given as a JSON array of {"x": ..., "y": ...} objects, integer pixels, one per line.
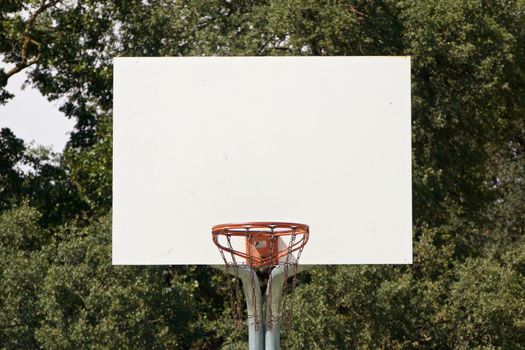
[
  {"x": 255, "y": 331},
  {"x": 263, "y": 338},
  {"x": 273, "y": 334},
  {"x": 255, "y": 336}
]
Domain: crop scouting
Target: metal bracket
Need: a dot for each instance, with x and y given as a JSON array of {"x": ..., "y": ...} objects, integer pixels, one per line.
[{"x": 263, "y": 337}]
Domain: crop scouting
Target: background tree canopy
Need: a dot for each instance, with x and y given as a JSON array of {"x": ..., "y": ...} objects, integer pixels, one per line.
[{"x": 466, "y": 288}]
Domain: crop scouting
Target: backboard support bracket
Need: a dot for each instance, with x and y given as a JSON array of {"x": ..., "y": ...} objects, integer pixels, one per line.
[{"x": 263, "y": 337}]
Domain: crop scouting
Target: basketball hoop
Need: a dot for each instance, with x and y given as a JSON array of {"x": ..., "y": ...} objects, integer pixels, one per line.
[
  {"x": 266, "y": 244},
  {"x": 270, "y": 249}
]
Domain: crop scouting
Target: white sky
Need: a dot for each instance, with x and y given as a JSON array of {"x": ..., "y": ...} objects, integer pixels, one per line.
[{"x": 32, "y": 117}]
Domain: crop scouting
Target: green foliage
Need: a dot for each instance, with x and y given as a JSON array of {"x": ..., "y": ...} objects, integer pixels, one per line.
[
  {"x": 63, "y": 292},
  {"x": 363, "y": 307},
  {"x": 36, "y": 175},
  {"x": 465, "y": 289},
  {"x": 480, "y": 306},
  {"x": 49, "y": 187},
  {"x": 11, "y": 153},
  {"x": 87, "y": 302},
  {"x": 468, "y": 69},
  {"x": 91, "y": 169},
  {"x": 22, "y": 267},
  {"x": 487, "y": 305},
  {"x": 19, "y": 230}
]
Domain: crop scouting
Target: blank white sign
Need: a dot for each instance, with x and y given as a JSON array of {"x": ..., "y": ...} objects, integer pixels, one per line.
[{"x": 324, "y": 141}]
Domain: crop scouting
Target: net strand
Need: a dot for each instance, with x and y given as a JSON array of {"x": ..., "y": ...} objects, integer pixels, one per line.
[
  {"x": 256, "y": 318},
  {"x": 237, "y": 302},
  {"x": 294, "y": 283},
  {"x": 286, "y": 267},
  {"x": 269, "y": 316},
  {"x": 231, "y": 299}
]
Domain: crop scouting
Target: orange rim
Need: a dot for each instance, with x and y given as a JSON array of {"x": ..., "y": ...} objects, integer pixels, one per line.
[{"x": 276, "y": 229}]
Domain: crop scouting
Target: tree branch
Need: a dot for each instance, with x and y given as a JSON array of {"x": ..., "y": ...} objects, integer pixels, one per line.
[{"x": 28, "y": 40}]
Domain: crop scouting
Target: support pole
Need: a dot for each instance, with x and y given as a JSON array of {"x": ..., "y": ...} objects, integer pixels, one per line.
[
  {"x": 273, "y": 334},
  {"x": 264, "y": 337},
  {"x": 255, "y": 336},
  {"x": 255, "y": 331}
]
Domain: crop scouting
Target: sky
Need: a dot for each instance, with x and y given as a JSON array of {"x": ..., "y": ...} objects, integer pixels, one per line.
[{"x": 32, "y": 117}]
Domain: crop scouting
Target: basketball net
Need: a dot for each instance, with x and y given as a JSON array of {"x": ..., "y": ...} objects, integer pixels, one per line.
[{"x": 261, "y": 247}]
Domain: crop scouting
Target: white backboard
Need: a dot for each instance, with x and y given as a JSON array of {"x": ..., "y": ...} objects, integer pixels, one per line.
[{"x": 324, "y": 141}]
